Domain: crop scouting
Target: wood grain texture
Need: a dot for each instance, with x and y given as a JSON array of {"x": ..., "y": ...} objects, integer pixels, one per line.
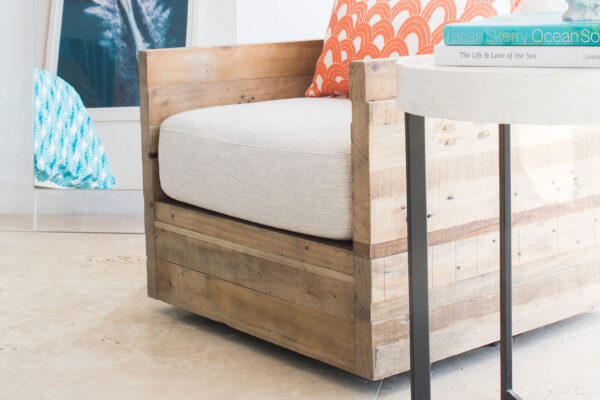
[
  {"x": 184, "y": 66},
  {"x": 225, "y": 261},
  {"x": 379, "y": 77},
  {"x": 151, "y": 180},
  {"x": 151, "y": 187},
  {"x": 308, "y": 332},
  {"x": 397, "y": 305},
  {"x": 169, "y": 100},
  {"x": 472, "y": 322},
  {"x": 378, "y": 187},
  {"x": 472, "y": 229},
  {"x": 183, "y": 79},
  {"x": 462, "y": 167},
  {"x": 377, "y": 145},
  {"x": 298, "y": 265},
  {"x": 327, "y": 254},
  {"x": 462, "y": 191}
]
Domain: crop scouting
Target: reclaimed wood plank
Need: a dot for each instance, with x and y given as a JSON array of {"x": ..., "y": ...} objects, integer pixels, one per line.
[
  {"x": 331, "y": 255},
  {"x": 308, "y": 332},
  {"x": 303, "y": 287}
]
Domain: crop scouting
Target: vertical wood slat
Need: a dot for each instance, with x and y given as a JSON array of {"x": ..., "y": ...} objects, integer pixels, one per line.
[
  {"x": 377, "y": 162},
  {"x": 332, "y": 255},
  {"x": 228, "y": 262},
  {"x": 151, "y": 180}
]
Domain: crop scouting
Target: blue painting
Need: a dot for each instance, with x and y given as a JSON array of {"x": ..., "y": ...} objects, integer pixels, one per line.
[{"x": 100, "y": 41}]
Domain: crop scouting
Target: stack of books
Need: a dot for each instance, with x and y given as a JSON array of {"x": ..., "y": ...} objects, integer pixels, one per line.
[{"x": 521, "y": 40}]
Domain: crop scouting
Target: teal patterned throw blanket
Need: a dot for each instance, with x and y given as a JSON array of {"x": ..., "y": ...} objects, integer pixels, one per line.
[{"x": 68, "y": 151}]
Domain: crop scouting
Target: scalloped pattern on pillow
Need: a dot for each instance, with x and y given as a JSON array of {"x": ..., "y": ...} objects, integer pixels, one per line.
[{"x": 369, "y": 29}]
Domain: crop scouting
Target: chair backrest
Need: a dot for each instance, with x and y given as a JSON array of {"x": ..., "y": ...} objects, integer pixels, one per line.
[{"x": 177, "y": 80}]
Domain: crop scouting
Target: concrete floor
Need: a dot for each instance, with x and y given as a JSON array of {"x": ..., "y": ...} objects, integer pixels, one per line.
[{"x": 75, "y": 323}]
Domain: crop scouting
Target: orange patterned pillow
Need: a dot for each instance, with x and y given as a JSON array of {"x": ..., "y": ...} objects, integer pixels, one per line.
[{"x": 368, "y": 29}]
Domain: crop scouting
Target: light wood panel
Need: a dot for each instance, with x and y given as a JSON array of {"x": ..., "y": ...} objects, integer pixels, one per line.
[
  {"x": 302, "y": 284},
  {"x": 169, "y": 100},
  {"x": 308, "y": 332},
  {"x": 184, "y": 66},
  {"x": 369, "y": 284},
  {"x": 462, "y": 168},
  {"x": 397, "y": 305},
  {"x": 331, "y": 255},
  {"x": 542, "y": 183},
  {"x": 478, "y": 227},
  {"x": 373, "y": 80},
  {"x": 151, "y": 179},
  {"x": 377, "y": 158},
  {"x": 555, "y": 180},
  {"x": 473, "y": 322}
]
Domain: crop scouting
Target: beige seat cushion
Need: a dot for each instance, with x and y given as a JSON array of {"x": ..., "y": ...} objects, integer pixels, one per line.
[{"x": 284, "y": 163}]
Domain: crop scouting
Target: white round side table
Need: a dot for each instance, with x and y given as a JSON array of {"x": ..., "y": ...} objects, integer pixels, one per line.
[{"x": 503, "y": 95}]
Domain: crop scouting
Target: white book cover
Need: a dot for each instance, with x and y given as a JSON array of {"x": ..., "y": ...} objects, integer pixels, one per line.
[{"x": 518, "y": 56}]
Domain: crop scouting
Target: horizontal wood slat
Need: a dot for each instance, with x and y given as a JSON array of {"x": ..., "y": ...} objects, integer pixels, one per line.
[
  {"x": 330, "y": 255},
  {"x": 476, "y": 228},
  {"x": 298, "y": 284},
  {"x": 485, "y": 282},
  {"x": 169, "y": 100},
  {"x": 473, "y": 322},
  {"x": 183, "y": 79},
  {"x": 302, "y": 266},
  {"x": 308, "y": 332},
  {"x": 183, "y": 66}
]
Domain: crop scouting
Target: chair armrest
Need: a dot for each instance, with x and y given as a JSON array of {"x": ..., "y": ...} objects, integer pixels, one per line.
[
  {"x": 182, "y": 79},
  {"x": 378, "y": 160}
]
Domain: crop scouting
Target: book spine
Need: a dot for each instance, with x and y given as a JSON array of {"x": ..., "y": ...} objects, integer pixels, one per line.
[
  {"x": 551, "y": 35},
  {"x": 527, "y": 56}
]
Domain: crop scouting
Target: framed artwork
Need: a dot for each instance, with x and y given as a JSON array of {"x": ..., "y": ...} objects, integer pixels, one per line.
[{"x": 94, "y": 46}]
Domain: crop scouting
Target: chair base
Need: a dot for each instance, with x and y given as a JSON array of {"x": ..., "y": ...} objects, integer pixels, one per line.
[{"x": 299, "y": 292}]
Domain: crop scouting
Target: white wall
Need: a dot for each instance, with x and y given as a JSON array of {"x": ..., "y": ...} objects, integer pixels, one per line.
[
  {"x": 262, "y": 21},
  {"x": 16, "y": 108},
  {"x": 41, "y": 13},
  {"x": 216, "y": 23},
  {"x": 543, "y": 5}
]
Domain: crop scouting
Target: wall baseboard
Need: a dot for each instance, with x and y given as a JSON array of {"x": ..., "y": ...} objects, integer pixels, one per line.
[
  {"x": 85, "y": 223},
  {"x": 89, "y": 202}
]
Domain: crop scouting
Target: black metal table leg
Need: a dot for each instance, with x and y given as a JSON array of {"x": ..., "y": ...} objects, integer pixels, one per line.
[
  {"x": 416, "y": 181},
  {"x": 418, "y": 277},
  {"x": 506, "y": 337}
]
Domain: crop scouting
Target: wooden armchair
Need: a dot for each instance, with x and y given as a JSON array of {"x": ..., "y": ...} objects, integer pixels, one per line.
[{"x": 346, "y": 303}]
